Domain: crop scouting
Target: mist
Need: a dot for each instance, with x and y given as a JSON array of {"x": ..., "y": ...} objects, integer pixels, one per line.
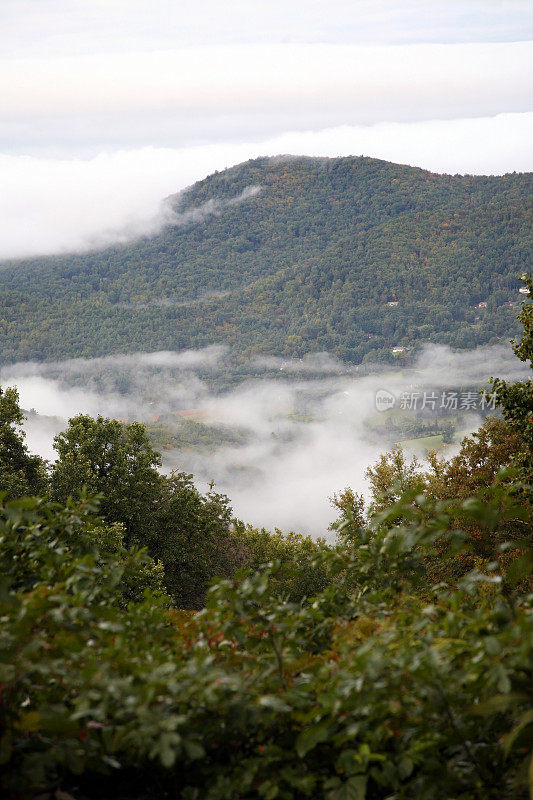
[{"x": 288, "y": 434}]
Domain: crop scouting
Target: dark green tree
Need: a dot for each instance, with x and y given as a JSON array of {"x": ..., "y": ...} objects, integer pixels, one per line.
[
  {"x": 20, "y": 472},
  {"x": 192, "y": 536},
  {"x": 516, "y": 399},
  {"x": 301, "y": 573},
  {"x": 115, "y": 459}
]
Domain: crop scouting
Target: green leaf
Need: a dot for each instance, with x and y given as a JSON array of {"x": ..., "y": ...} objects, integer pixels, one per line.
[
  {"x": 347, "y": 761},
  {"x": 311, "y": 736},
  {"x": 353, "y": 789},
  {"x": 405, "y": 768},
  {"x": 112, "y": 762},
  {"x": 492, "y": 645},
  {"x": 520, "y": 568},
  {"x": 525, "y": 720},
  {"x": 269, "y": 790},
  {"x": 167, "y": 756},
  {"x": 504, "y": 684},
  {"x": 193, "y": 749}
]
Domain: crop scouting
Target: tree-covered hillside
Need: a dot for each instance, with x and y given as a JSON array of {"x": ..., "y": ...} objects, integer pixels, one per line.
[
  {"x": 291, "y": 255},
  {"x": 151, "y": 646}
]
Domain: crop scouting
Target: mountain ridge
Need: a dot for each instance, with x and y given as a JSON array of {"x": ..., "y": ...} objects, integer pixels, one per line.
[{"x": 310, "y": 261}]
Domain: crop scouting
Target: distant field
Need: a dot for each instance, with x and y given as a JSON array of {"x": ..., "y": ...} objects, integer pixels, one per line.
[{"x": 424, "y": 443}]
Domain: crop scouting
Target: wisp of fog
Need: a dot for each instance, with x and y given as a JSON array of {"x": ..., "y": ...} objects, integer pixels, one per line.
[{"x": 282, "y": 436}]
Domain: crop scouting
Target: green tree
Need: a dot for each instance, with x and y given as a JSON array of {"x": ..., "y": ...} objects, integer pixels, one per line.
[
  {"x": 367, "y": 694},
  {"x": 447, "y": 433},
  {"x": 391, "y": 476},
  {"x": 301, "y": 573},
  {"x": 115, "y": 459},
  {"x": 516, "y": 399},
  {"x": 41, "y": 540},
  {"x": 20, "y": 473},
  {"x": 192, "y": 535},
  {"x": 351, "y": 508}
]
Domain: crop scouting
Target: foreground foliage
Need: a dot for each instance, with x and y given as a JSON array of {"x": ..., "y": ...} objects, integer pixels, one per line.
[
  {"x": 376, "y": 688},
  {"x": 392, "y": 665}
]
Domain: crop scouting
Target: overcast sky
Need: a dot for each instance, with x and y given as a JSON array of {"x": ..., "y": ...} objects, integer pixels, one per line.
[{"x": 107, "y": 106}]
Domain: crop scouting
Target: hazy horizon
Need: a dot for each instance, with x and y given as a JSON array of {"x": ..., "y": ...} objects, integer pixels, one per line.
[{"x": 108, "y": 107}]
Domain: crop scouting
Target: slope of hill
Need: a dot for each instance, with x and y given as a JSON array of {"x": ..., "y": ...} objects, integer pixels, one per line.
[{"x": 287, "y": 256}]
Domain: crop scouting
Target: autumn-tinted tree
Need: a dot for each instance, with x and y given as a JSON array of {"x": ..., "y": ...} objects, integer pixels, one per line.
[
  {"x": 478, "y": 467},
  {"x": 391, "y": 476},
  {"x": 350, "y": 506}
]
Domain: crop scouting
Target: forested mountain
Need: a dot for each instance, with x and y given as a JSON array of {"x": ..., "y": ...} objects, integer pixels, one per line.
[
  {"x": 288, "y": 256},
  {"x": 152, "y": 646}
]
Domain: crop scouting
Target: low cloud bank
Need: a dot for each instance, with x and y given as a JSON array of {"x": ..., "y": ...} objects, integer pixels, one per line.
[
  {"x": 307, "y": 428},
  {"x": 237, "y": 91},
  {"x": 31, "y": 27},
  {"x": 55, "y": 204}
]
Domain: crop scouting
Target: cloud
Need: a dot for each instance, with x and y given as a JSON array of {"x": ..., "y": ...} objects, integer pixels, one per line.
[
  {"x": 308, "y": 435},
  {"x": 211, "y": 208},
  {"x": 312, "y": 363},
  {"x": 64, "y": 26},
  {"x": 200, "y": 94},
  {"x": 49, "y": 205}
]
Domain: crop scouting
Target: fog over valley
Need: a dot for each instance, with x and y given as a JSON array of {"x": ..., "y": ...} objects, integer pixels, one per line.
[
  {"x": 277, "y": 436},
  {"x": 266, "y": 408}
]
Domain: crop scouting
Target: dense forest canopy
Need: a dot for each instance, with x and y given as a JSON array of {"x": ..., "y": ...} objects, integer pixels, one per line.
[
  {"x": 152, "y": 646},
  {"x": 289, "y": 256}
]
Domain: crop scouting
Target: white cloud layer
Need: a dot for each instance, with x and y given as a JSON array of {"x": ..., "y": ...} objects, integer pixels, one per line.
[
  {"x": 49, "y": 205},
  {"x": 238, "y": 92},
  {"x": 110, "y": 25},
  {"x": 282, "y": 476}
]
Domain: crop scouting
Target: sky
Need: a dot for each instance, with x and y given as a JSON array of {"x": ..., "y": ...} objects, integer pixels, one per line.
[{"x": 108, "y": 106}]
